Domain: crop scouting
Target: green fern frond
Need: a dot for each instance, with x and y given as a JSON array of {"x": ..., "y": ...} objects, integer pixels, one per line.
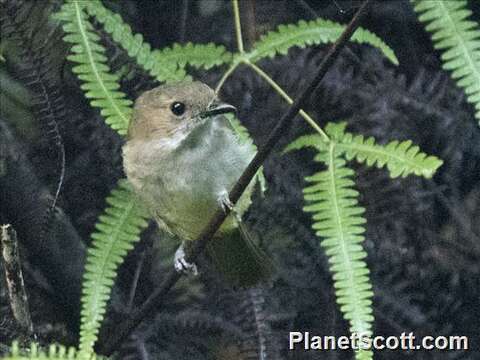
[
  {"x": 133, "y": 44},
  {"x": 54, "y": 352},
  {"x": 116, "y": 232},
  {"x": 400, "y": 158},
  {"x": 458, "y": 38},
  {"x": 312, "y": 140},
  {"x": 167, "y": 64},
  {"x": 99, "y": 85},
  {"x": 314, "y": 32},
  {"x": 338, "y": 220},
  {"x": 203, "y": 56}
]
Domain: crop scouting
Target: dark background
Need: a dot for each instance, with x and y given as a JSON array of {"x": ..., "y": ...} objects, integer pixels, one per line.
[{"x": 422, "y": 235}]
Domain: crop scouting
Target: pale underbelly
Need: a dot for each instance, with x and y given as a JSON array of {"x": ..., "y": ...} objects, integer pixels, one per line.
[
  {"x": 184, "y": 188},
  {"x": 185, "y": 210}
]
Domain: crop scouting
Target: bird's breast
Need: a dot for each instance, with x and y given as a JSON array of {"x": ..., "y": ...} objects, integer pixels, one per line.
[{"x": 183, "y": 187}]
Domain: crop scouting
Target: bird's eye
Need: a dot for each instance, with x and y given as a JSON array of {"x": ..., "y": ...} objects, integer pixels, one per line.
[{"x": 177, "y": 108}]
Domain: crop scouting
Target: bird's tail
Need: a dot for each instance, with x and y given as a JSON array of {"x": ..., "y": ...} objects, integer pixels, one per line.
[{"x": 240, "y": 261}]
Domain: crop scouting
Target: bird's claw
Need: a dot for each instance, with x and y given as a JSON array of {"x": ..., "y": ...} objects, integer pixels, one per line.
[
  {"x": 181, "y": 264},
  {"x": 225, "y": 202}
]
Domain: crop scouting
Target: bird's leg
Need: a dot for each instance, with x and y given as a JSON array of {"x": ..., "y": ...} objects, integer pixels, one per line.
[
  {"x": 224, "y": 201},
  {"x": 181, "y": 264},
  {"x": 227, "y": 204}
]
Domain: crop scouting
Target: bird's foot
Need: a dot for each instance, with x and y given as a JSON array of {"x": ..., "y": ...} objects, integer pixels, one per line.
[
  {"x": 225, "y": 202},
  {"x": 181, "y": 264}
]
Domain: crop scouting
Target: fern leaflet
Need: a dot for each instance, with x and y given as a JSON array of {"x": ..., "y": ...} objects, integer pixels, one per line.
[
  {"x": 203, "y": 56},
  {"x": 165, "y": 65},
  {"x": 400, "y": 158},
  {"x": 54, "y": 352},
  {"x": 316, "y": 32},
  {"x": 459, "y": 39},
  {"x": 116, "y": 232},
  {"x": 99, "y": 85},
  {"x": 338, "y": 220}
]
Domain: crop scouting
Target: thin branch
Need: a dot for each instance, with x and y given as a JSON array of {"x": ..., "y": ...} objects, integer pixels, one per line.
[
  {"x": 24, "y": 199},
  {"x": 238, "y": 27},
  {"x": 283, "y": 94},
  {"x": 183, "y": 21},
  {"x": 226, "y": 75},
  {"x": 110, "y": 344},
  {"x": 15, "y": 284},
  {"x": 249, "y": 26},
  {"x": 136, "y": 277}
]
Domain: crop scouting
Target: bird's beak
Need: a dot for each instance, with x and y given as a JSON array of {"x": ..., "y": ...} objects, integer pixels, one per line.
[{"x": 216, "y": 108}]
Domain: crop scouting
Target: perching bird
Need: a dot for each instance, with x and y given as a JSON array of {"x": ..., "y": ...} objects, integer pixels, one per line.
[{"x": 182, "y": 157}]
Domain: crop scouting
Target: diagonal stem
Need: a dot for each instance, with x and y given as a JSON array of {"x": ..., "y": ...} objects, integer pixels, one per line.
[
  {"x": 107, "y": 347},
  {"x": 225, "y": 76},
  {"x": 283, "y": 94},
  {"x": 238, "y": 27}
]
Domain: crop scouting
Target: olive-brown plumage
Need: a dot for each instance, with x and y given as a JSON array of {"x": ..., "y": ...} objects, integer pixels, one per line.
[{"x": 182, "y": 158}]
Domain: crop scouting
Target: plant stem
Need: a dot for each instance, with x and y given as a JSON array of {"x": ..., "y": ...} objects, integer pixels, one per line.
[
  {"x": 226, "y": 75},
  {"x": 249, "y": 27},
  {"x": 238, "y": 27},
  {"x": 283, "y": 94},
  {"x": 157, "y": 297},
  {"x": 183, "y": 21}
]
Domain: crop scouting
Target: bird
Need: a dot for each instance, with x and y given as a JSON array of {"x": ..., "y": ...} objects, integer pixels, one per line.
[{"x": 182, "y": 157}]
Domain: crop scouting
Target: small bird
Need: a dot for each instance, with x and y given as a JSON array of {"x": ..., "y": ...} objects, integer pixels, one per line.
[{"x": 182, "y": 157}]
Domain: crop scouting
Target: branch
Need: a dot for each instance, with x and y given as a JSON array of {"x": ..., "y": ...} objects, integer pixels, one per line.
[
  {"x": 23, "y": 201},
  {"x": 15, "y": 284},
  {"x": 156, "y": 298},
  {"x": 250, "y": 29}
]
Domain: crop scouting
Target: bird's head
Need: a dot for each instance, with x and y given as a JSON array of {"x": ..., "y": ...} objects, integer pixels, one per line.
[{"x": 174, "y": 110}]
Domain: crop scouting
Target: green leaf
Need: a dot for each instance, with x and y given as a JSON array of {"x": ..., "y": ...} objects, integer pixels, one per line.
[
  {"x": 400, "y": 158},
  {"x": 203, "y": 56},
  {"x": 116, "y": 232},
  {"x": 459, "y": 40},
  {"x": 314, "y": 32},
  {"x": 165, "y": 65},
  {"x": 34, "y": 352},
  {"x": 99, "y": 85},
  {"x": 313, "y": 140},
  {"x": 338, "y": 220}
]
